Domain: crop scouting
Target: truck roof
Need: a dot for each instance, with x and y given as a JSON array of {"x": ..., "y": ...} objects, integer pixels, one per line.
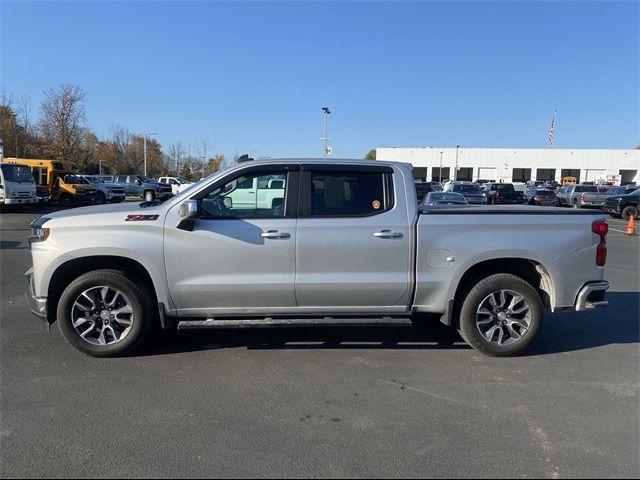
[{"x": 325, "y": 161}]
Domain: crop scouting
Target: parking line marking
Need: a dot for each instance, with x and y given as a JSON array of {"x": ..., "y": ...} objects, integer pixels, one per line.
[{"x": 621, "y": 231}]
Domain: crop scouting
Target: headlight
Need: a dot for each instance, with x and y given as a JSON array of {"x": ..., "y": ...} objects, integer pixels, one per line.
[{"x": 39, "y": 232}]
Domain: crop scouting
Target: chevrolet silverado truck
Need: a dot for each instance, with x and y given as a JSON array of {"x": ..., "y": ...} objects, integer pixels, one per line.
[{"x": 344, "y": 244}]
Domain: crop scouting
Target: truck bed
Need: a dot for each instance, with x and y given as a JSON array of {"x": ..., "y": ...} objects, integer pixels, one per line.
[{"x": 451, "y": 239}]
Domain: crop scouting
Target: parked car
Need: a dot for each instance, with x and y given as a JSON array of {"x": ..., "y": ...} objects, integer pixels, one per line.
[
  {"x": 502, "y": 194},
  {"x": 542, "y": 197},
  {"x": 178, "y": 184},
  {"x": 105, "y": 191},
  {"x": 44, "y": 194},
  {"x": 470, "y": 191},
  {"x": 422, "y": 189},
  {"x": 444, "y": 198},
  {"x": 581, "y": 196},
  {"x": 623, "y": 206},
  {"x": 349, "y": 246},
  {"x": 144, "y": 187}
]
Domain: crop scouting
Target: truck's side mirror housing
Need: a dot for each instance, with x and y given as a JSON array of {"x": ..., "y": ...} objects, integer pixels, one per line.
[{"x": 189, "y": 211}]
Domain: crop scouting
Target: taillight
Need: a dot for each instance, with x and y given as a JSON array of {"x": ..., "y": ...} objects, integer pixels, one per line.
[
  {"x": 582, "y": 196},
  {"x": 498, "y": 194},
  {"x": 601, "y": 229}
]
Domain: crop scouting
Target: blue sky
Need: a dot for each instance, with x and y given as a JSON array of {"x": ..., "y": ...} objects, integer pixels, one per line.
[{"x": 254, "y": 75}]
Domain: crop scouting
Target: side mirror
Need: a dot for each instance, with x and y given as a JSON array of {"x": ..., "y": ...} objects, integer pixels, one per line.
[
  {"x": 138, "y": 182},
  {"x": 188, "y": 213}
]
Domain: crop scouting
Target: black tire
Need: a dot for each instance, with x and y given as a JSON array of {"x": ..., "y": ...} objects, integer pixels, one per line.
[
  {"x": 149, "y": 196},
  {"x": 100, "y": 198},
  {"x": 478, "y": 293},
  {"x": 628, "y": 211},
  {"x": 66, "y": 200},
  {"x": 575, "y": 204},
  {"x": 139, "y": 297}
]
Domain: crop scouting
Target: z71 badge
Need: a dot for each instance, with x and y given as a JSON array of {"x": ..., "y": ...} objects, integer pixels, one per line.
[{"x": 141, "y": 218}]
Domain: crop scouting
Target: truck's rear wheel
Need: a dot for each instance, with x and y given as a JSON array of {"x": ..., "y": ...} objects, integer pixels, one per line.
[
  {"x": 501, "y": 315},
  {"x": 105, "y": 313}
]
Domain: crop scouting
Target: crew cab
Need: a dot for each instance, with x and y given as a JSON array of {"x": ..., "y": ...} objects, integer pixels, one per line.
[
  {"x": 329, "y": 243},
  {"x": 142, "y": 186},
  {"x": 503, "y": 194},
  {"x": 105, "y": 191}
]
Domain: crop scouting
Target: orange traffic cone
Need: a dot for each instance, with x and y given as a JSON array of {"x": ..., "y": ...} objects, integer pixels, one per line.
[{"x": 631, "y": 226}]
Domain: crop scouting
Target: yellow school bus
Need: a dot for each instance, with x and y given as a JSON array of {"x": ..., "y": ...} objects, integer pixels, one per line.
[{"x": 52, "y": 174}]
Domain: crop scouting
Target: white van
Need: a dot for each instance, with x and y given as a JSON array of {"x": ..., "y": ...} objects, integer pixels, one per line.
[{"x": 17, "y": 186}]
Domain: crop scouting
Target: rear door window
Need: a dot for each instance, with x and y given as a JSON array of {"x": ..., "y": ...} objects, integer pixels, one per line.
[{"x": 348, "y": 194}]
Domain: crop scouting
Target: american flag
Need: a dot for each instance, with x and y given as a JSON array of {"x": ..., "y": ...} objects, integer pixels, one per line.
[{"x": 552, "y": 130}]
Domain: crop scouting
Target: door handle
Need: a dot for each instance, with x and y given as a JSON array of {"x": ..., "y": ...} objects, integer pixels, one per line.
[
  {"x": 275, "y": 234},
  {"x": 387, "y": 234}
]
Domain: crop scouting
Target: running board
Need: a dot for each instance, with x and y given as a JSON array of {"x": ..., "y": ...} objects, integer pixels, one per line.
[{"x": 293, "y": 322}]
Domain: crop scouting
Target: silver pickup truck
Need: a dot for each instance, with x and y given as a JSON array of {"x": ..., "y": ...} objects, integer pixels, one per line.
[{"x": 344, "y": 244}]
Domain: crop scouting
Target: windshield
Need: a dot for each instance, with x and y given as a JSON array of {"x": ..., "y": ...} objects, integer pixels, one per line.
[
  {"x": 75, "y": 180},
  {"x": 466, "y": 189},
  {"x": 94, "y": 179},
  {"x": 144, "y": 179},
  {"x": 183, "y": 181},
  {"x": 17, "y": 173}
]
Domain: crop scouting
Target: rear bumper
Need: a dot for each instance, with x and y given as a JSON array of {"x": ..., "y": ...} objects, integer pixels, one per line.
[
  {"x": 37, "y": 305},
  {"x": 592, "y": 296}
]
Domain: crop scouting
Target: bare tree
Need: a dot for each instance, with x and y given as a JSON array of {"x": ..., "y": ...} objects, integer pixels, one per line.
[
  {"x": 6, "y": 98},
  {"x": 203, "y": 147},
  {"x": 176, "y": 152},
  {"x": 23, "y": 111},
  {"x": 63, "y": 116}
]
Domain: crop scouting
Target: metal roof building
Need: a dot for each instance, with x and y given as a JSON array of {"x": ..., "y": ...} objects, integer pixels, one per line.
[{"x": 518, "y": 164}]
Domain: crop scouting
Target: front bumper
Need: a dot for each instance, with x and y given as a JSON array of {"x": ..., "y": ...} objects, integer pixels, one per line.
[
  {"x": 592, "y": 296},
  {"x": 21, "y": 201},
  {"x": 37, "y": 305}
]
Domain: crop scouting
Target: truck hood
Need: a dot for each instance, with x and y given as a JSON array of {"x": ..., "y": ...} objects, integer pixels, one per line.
[{"x": 100, "y": 215}]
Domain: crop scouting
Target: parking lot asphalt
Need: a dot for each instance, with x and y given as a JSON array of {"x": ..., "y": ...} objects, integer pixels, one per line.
[{"x": 368, "y": 402}]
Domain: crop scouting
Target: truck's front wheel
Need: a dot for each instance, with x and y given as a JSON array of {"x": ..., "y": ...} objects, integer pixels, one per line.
[
  {"x": 104, "y": 313},
  {"x": 149, "y": 196},
  {"x": 501, "y": 315}
]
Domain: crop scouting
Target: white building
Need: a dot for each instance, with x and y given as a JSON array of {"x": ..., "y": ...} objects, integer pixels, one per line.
[{"x": 518, "y": 164}]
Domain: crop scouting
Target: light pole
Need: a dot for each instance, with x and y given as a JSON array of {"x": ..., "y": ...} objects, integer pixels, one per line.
[
  {"x": 100, "y": 166},
  {"x": 455, "y": 173},
  {"x": 145, "y": 150},
  {"x": 326, "y": 138},
  {"x": 440, "y": 171}
]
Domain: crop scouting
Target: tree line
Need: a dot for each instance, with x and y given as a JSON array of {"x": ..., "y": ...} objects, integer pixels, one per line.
[{"x": 60, "y": 132}]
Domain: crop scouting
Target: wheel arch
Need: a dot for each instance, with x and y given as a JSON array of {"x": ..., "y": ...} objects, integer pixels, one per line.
[
  {"x": 72, "y": 269},
  {"x": 531, "y": 271}
]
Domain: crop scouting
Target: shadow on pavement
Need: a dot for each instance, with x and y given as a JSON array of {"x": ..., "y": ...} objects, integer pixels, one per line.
[{"x": 563, "y": 332}]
